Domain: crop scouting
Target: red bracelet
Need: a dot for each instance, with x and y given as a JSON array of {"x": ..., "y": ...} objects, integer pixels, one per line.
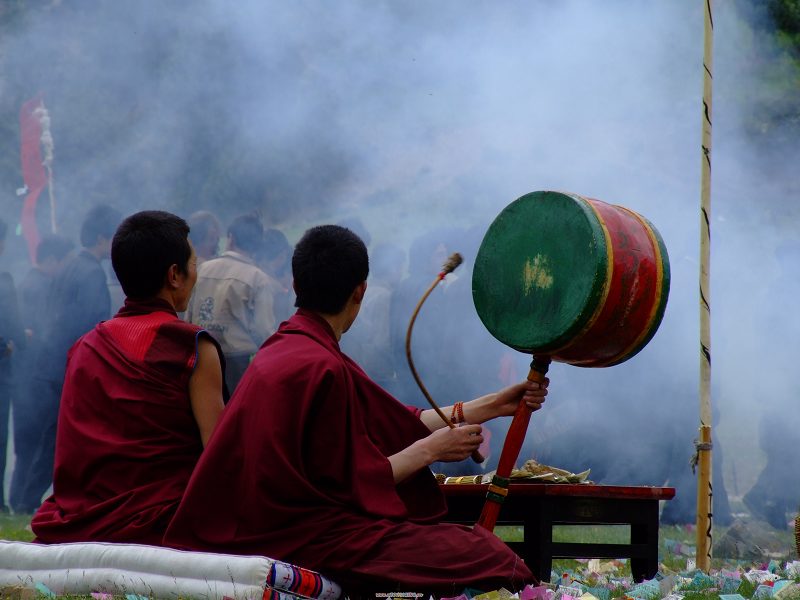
[
  {"x": 461, "y": 418},
  {"x": 453, "y": 415}
]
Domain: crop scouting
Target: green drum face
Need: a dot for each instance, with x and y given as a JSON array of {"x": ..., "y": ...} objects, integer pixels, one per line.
[
  {"x": 540, "y": 271},
  {"x": 573, "y": 278}
]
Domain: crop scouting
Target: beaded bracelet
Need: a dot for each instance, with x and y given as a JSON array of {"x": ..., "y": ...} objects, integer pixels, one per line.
[{"x": 457, "y": 414}]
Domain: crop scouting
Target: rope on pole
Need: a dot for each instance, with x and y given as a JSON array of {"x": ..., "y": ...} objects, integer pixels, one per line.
[{"x": 703, "y": 448}]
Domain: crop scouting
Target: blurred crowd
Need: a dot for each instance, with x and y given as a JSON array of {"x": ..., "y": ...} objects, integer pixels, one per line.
[{"x": 243, "y": 293}]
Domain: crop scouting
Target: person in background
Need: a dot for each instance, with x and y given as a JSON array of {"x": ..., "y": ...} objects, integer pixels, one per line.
[
  {"x": 51, "y": 254},
  {"x": 460, "y": 345},
  {"x": 142, "y": 395},
  {"x": 274, "y": 258},
  {"x": 775, "y": 494},
  {"x": 233, "y": 298},
  {"x": 369, "y": 341},
  {"x": 12, "y": 338},
  {"x": 314, "y": 464},
  {"x": 78, "y": 299},
  {"x": 426, "y": 255},
  {"x": 205, "y": 234},
  {"x": 356, "y": 225}
]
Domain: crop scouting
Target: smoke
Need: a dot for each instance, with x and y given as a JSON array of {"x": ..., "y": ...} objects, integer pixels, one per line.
[{"x": 418, "y": 115}]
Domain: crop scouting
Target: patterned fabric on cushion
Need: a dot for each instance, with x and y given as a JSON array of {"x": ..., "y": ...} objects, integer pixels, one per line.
[{"x": 301, "y": 582}]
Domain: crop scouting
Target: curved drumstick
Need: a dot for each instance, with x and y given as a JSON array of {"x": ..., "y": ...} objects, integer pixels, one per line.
[{"x": 448, "y": 267}]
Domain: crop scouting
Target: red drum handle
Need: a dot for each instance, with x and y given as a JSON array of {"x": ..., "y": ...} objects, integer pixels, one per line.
[{"x": 498, "y": 489}]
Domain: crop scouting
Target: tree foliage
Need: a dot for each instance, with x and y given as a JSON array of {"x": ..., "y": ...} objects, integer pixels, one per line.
[
  {"x": 786, "y": 16},
  {"x": 772, "y": 61}
]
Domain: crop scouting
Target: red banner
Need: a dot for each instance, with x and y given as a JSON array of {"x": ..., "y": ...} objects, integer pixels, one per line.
[{"x": 33, "y": 171}]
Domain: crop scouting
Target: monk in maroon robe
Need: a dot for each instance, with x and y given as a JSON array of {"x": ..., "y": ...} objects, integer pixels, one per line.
[
  {"x": 315, "y": 464},
  {"x": 142, "y": 394}
]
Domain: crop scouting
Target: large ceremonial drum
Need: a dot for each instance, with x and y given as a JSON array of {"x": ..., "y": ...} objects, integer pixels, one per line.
[{"x": 571, "y": 278}]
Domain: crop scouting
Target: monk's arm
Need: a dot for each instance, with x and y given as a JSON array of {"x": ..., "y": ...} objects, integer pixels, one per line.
[
  {"x": 498, "y": 404},
  {"x": 447, "y": 445},
  {"x": 205, "y": 389}
]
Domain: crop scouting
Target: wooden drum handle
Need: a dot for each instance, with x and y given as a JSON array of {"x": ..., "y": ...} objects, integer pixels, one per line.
[
  {"x": 498, "y": 489},
  {"x": 477, "y": 456}
]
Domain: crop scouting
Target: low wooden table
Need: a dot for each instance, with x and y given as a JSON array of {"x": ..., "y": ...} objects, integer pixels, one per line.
[{"x": 540, "y": 506}]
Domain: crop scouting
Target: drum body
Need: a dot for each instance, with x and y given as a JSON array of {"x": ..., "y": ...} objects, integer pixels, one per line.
[{"x": 572, "y": 278}]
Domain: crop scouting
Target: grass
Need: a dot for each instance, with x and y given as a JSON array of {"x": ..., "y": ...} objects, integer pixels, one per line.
[
  {"x": 669, "y": 536},
  {"x": 15, "y": 528}
]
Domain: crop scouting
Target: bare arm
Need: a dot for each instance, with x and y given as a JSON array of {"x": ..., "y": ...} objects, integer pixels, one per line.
[
  {"x": 205, "y": 389},
  {"x": 498, "y": 404},
  {"x": 447, "y": 445}
]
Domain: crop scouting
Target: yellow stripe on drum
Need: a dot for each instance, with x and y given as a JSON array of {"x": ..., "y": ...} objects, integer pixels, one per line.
[
  {"x": 658, "y": 301},
  {"x": 606, "y": 284}
]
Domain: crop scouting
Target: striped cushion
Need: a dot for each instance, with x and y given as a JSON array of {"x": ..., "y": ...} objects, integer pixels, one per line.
[{"x": 302, "y": 582}]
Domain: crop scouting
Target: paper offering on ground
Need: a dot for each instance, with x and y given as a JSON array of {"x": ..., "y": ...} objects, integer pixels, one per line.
[{"x": 563, "y": 591}]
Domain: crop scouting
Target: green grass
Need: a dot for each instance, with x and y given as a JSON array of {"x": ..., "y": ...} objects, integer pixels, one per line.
[
  {"x": 15, "y": 527},
  {"x": 619, "y": 534}
]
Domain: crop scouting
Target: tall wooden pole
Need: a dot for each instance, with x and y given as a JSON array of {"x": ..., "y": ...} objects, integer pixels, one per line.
[{"x": 703, "y": 446}]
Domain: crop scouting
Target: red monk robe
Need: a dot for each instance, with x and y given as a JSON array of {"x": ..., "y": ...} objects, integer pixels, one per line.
[
  {"x": 297, "y": 471},
  {"x": 127, "y": 439}
]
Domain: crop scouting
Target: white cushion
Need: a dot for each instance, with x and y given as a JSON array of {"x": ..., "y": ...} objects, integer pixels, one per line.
[{"x": 82, "y": 568}]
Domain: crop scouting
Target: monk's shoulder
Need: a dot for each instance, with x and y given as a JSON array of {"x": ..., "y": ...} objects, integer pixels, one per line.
[{"x": 297, "y": 354}]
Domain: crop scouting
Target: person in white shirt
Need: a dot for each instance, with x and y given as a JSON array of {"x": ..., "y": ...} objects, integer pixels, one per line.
[{"x": 233, "y": 299}]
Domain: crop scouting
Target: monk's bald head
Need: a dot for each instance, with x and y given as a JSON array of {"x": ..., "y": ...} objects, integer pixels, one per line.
[
  {"x": 328, "y": 263},
  {"x": 144, "y": 248}
]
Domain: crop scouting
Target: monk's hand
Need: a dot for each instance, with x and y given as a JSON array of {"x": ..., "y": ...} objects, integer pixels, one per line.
[
  {"x": 452, "y": 445},
  {"x": 532, "y": 393}
]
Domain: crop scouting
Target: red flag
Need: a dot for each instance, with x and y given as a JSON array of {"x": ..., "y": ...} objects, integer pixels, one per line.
[{"x": 33, "y": 171}]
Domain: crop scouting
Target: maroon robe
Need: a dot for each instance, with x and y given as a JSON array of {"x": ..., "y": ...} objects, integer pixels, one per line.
[
  {"x": 127, "y": 438},
  {"x": 297, "y": 470}
]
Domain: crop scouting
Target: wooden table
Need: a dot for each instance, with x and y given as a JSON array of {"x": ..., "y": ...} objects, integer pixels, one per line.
[{"x": 540, "y": 506}]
